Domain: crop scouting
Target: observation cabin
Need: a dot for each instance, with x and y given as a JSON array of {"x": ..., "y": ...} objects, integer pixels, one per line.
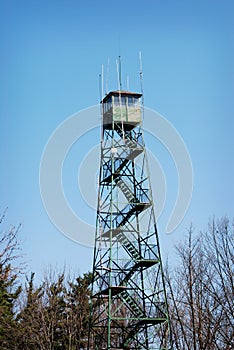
[{"x": 121, "y": 109}]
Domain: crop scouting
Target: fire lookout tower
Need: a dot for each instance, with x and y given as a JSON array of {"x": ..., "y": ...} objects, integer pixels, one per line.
[{"x": 128, "y": 305}]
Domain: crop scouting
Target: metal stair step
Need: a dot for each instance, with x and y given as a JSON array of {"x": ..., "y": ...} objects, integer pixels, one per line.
[
  {"x": 133, "y": 305},
  {"x": 128, "y": 246},
  {"x": 125, "y": 189}
]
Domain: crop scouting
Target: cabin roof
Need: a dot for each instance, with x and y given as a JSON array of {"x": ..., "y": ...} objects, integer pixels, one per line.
[{"x": 121, "y": 93}]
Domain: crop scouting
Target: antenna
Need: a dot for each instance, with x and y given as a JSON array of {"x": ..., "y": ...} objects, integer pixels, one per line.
[
  {"x": 141, "y": 72},
  {"x": 101, "y": 99},
  {"x": 118, "y": 66},
  {"x": 141, "y": 80},
  {"x": 128, "y": 83},
  {"x": 107, "y": 74},
  {"x": 102, "y": 81},
  {"x": 100, "y": 85},
  {"x": 120, "y": 74}
]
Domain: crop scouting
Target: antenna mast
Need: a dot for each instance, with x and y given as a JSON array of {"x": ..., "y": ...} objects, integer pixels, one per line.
[
  {"x": 107, "y": 74},
  {"x": 120, "y": 74},
  {"x": 141, "y": 78}
]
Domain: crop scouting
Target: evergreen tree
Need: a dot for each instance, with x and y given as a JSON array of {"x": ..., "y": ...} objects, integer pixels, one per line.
[
  {"x": 8, "y": 295},
  {"x": 29, "y": 319}
]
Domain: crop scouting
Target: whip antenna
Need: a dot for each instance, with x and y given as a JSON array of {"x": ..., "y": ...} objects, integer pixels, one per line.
[
  {"x": 141, "y": 81},
  {"x": 128, "y": 83},
  {"x": 120, "y": 74},
  {"x": 141, "y": 72},
  {"x": 107, "y": 74}
]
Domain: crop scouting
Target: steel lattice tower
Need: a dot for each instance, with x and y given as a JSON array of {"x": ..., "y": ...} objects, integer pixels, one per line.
[{"x": 128, "y": 304}]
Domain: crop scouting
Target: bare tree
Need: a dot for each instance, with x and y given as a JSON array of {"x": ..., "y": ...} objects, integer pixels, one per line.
[
  {"x": 10, "y": 250},
  {"x": 201, "y": 290},
  {"x": 220, "y": 251},
  {"x": 10, "y": 289}
]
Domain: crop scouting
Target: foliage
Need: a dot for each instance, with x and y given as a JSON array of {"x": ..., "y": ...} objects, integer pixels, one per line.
[{"x": 55, "y": 315}]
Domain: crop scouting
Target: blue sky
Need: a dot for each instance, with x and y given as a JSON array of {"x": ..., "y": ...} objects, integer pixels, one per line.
[{"x": 51, "y": 56}]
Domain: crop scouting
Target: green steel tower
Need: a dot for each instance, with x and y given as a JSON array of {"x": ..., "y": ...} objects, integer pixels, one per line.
[{"x": 128, "y": 304}]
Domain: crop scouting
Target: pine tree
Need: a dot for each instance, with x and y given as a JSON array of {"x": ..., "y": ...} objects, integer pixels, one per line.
[{"x": 8, "y": 295}]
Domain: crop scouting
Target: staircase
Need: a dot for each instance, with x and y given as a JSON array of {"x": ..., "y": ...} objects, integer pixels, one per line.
[
  {"x": 114, "y": 171},
  {"x": 125, "y": 189},
  {"x": 119, "y": 164},
  {"x": 128, "y": 246},
  {"x": 129, "y": 151},
  {"x": 134, "y": 148},
  {"x": 132, "y": 304}
]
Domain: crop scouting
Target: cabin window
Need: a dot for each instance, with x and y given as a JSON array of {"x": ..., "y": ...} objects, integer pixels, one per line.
[
  {"x": 107, "y": 104},
  {"x": 116, "y": 100},
  {"x": 123, "y": 100},
  {"x": 130, "y": 101},
  {"x": 133, "y": 101},
  {"x": 136, "y": 101},
  {"x": 120, "y": 100}
]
